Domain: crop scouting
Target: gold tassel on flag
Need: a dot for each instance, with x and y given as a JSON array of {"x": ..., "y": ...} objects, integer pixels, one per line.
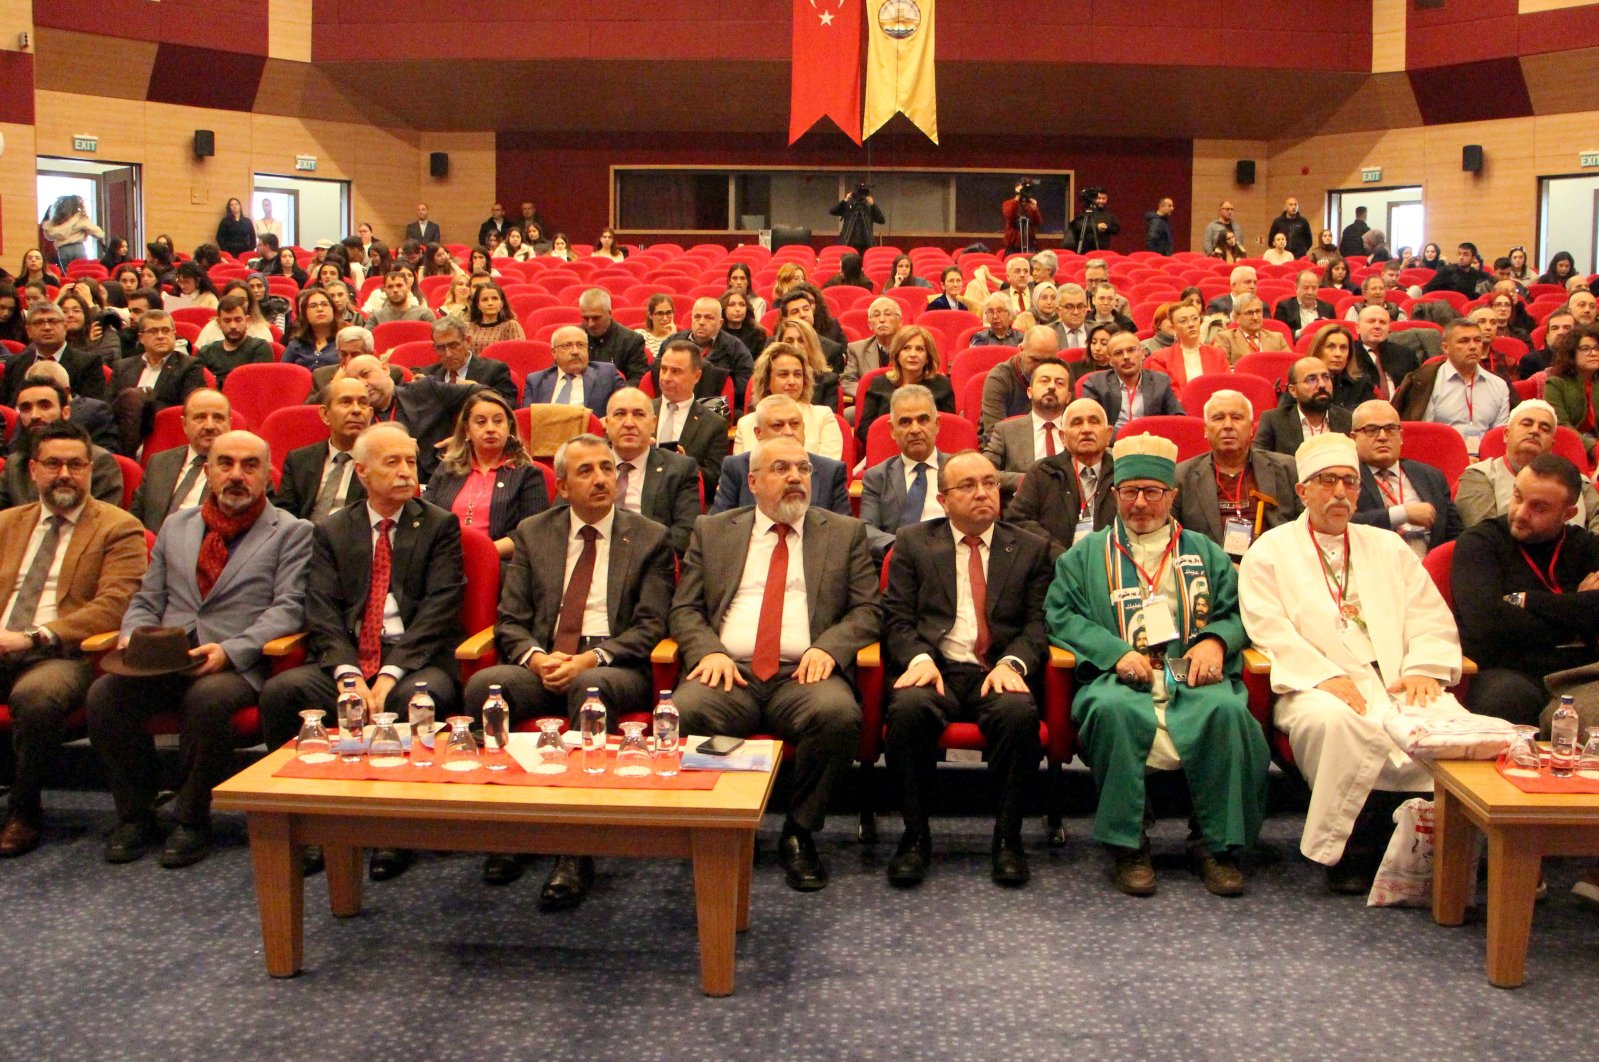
[{"x": 899, "y": 65}]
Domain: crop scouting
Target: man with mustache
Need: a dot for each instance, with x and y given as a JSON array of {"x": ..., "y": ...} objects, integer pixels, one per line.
[
  {"x": 1356, "y": 631},
  {"x": 1219, "y": 493},
  {"x": 1410, "y": 497},
  {"x": 41, "y": 403},
  {"x": 1485, "y": 489},
  {"x": 1312, "y": 412},
  {"x": 173, "y": 479}
]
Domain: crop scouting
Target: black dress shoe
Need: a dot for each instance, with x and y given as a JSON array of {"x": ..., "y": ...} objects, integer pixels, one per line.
[
  {"x": 909, "y": 865},
  {"x": 500, "y": 869},
  {"x": 1010, "y": 864},
  {"x": 387, "y": 863},
  {"x": 1351, "y": 876},
  {"x": 796, "y": 851},
  {"x": 186, "y": 845},
  {"x": 312, "y": 861},
  {"x": 130, "y": 839},
  {"x": 567, "y": 884}
]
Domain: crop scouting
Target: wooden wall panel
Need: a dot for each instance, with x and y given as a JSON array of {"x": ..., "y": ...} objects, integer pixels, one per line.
[
  {"x": 461, "y": 201},
  {"x": 289, "y": 30},
  {"x": 19, "y": 209},
  {"x": 1215, "y": 179}
]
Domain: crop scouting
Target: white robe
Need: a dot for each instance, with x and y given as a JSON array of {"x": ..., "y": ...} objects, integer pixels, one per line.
[{"x": 1291, "y": 617}]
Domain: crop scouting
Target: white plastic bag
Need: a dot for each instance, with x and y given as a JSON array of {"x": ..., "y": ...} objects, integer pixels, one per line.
[{"x": 1405, "y": 877}]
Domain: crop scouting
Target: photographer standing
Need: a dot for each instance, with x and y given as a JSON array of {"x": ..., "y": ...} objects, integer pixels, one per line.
[
  {"x": 860, "y": 213},
  {"x": 1093, "y": 228},
  {"x": 1022, "y": 218}
]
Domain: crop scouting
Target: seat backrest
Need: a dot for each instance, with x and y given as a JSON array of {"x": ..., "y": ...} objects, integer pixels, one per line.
[
  {"x": 1439, "y": 561},
  {"x": 954, "y": 435},
  {"x": 292, "y": 427},
  {"x": 1568, "y": 444},
  {"x": 258, "y": 389},
  {"x": 132, "y": 476},
  {"x": 1437, "y": 445},
  {"x": 1187, "y": 432},
  {"x": 1270, "y": 365},
  {"x": 413, "y": 354},
  {"x": 1261, "y": 394},
  {"x": 167, "y": 431}
]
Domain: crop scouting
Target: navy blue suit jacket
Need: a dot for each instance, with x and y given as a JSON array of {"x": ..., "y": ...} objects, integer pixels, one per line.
[
  {"x": 829, "y": 485},
  {"x": 600, "y": 380}
]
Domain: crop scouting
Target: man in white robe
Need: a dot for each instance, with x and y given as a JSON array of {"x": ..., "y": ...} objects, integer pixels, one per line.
[{"x": 1355, "y": 630}]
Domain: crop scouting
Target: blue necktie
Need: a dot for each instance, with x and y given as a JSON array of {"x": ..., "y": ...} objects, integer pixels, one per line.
[
  {"x": 915, "y": 498},
  {"x": 563, "y": 395}
]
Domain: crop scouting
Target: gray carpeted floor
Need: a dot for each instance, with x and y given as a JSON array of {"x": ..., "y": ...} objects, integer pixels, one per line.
[{"x": 138, "y": 962}]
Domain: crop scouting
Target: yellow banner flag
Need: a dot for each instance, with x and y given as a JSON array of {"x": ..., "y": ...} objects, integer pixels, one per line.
[{"x": 899, "y": 65}]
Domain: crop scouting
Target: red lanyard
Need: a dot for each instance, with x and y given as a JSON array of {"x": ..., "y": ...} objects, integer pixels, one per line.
[
  {"x": 1471, "y": 410},
  {"x": 1386, "y": 493},
  {"x": 1335, "y": 592},
  {"x": 1236, "y": 502},
  {"x": 1084, "y": 501},
  {"x": 1160, "y": 570},
  {"x": 1311, "y": 429},
  {"x": 1587, "y": 411},
  {"x": 1547, "y": 580},
  {"x": 1132, "y": 393}
]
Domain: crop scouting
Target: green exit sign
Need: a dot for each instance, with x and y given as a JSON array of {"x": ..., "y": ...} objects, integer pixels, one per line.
[
  {"x": 1589, "y": 158},
  {"x": 85, "y": 143}
]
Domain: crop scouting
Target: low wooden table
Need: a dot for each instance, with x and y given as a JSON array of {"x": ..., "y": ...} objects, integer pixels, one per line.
[
  {"x": 715, "y": 828},
  {"x": 1521, "y": 829}
]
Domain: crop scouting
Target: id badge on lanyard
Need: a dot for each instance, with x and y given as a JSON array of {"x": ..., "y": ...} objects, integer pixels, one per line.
[
  {"x": 1159, "y": 627},
  {"x": 1237, "y": 535}
]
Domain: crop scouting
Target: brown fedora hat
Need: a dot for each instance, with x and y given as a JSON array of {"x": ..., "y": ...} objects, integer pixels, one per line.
[{"x": 152, "y": 651}]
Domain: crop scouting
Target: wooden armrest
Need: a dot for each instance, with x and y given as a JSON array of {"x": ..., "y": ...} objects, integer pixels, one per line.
[
  {"x": 856, "y": 488},
  {"x": 99, "y": 643},
  {"x": 1060, "y": 658},
  {"x": 1468, "y": 666},
  {"x": 477, "y": 646},
  {"x": 1255, "y": 661},
  {"x": 665, "y": 652},
  {"x": 870, "y": 656},
  {"x": 285, "y": 645}
]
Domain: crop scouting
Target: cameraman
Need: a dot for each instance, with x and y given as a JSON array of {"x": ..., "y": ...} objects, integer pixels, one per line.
[
  {"x": 860, "y": 213},
  {"x": 1093, "y": 228},
  {"x": 1022, "y": 209}
]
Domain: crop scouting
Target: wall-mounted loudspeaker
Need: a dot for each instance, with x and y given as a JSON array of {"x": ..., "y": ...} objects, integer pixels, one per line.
[
  {"x": 1471, "y": 158},
  {"x": 1244, "y": 171},
  {"x": 205, "y": 143},
  {"x": 439, "y": 164}
]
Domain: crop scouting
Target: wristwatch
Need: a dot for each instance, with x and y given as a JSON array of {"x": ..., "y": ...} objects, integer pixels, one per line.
[
  {"x": 1517, "y": 599},
  {"x": 1015, "y": 664},
  {"x": 602, "y": 656},
  {"x": 37, "y": 636}
]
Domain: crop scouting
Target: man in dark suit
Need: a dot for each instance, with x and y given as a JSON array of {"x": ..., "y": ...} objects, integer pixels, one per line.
[
  {"x": 659, "y": 484},
  {"x": 422, "y": 230},
  {"x": 152, "y": 380},
  {"x": 683, "y": 422},
  {"x": 1406, "y": 496},
  {"x": 779, "y": 415},
  {"x": 385, "y": 635},
  {"x": 1378, "y": 356},
  {"x": 174, "y": 479},
  {"x": 1240, "y": 281},
  {"x": 963, "y": 631},
  {"x": 566, "y": 625},
  {"x": 1151, "y": 390},
  {"x": 904, "y": 489},
  {"x": 1283, "y": 428},
  {"x": 351, "y": 342},
  {"x": 425, "y": 407},
  {"x": 457, "y": 363},
  {"x": 609, "y": 341},
  {"x": 717, "y": 349},
  {"x": 496, "y": 223},
  {"x": 90, "y": 414},
  {"x": 1303, "y": 309},
  {"x": 47, "y": 341},
  {"x": 573, "y": 380},
  {"x": 769, "y": 644},
  {"x": 39, "y": 405},
  {"x": 1219, "y": 493},
  {"x": 320, "y": 478},
  {"x": 1017, "y": 442},
  {"x": 1069, "y": 494}
]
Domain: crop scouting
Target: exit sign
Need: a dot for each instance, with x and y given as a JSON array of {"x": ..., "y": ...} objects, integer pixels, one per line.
[
  {"x": 85, "y": 143},
  {"x": 1589, "y": 158},
  {"x": 1371, "y": 175},
  {"x": 305, "y": 162}
]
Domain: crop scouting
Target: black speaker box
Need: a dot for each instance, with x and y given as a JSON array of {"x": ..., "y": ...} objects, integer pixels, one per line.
[
  {"x": 205, "y": 143},
  {"x": 1244, "y": 171},
  {"x": 782, "y": 237},
  {"x": 1471, "y": 158},
  {"x": 439, "y": 164}
]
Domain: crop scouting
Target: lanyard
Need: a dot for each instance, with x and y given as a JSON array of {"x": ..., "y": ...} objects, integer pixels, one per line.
[
  {"x": 1547, "y": 580},
  {"x": 1386, "y": 493},
  {"x": 1237, "y": 499},
  {"x": 1132, "y": 394},
  {"x": 1336, "y": 587},
  {"x": 1160, "y": 569},
  {"x": 1471, "y": 410},
  {"x": 1587, "y": 410},
  {"x": 1085, "y": 502}
]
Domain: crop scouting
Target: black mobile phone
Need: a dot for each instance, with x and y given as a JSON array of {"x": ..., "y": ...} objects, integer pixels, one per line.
[
  {"x": 1179, "y": 667},
  {"x": 721, "y": 745}
]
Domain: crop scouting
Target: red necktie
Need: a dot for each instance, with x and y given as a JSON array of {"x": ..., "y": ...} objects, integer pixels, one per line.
[
  {"x": 979, "y": 581},
  {"x": 769, "y": 633},
  {"x": 1049, "y": 439},
  {"x": 569, "y": 625},
  {"x": 377, "y": 595}
]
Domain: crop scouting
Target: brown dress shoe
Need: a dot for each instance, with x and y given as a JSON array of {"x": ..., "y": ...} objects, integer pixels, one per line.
[
  {"x": 1219, "y": 871},
  {"x": 1135, "y": 873},
  {"x": 18, "y": 837}
]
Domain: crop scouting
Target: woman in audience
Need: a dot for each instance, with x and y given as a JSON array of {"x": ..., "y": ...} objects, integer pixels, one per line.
[
  {"x": 289, "y": 266},
  {"x": 1570, "y": 384},
  {"x": 236, "y": 232},
  {"x": 255, "y": 322},
  {"x": 458, "y": 303},
  {"x": 194, "y": 288},
  {"x": 1278, "y": 253},
  {"x": 1351, "y": 385},
  {"x": 67, "y": 225},
  {"x": 491, "y": 318},
  {"x": 1432, "y": 256},
  {"x": 116, "y": 252},
  {"x": 486, "y": 476},
  {"x": 561, "y": 248},
  {"x": 800, "y": 335},
  {"x": 789, "y": 275},
  {"x": 313, "y": 344},
  {"x": 33, "y": 269},
  {"x": 783, "y": 369},
  {"x": 1226, "y": 247},
  {"x": 912, "y": 359},
  {"x": 331, "y": 269},
  {"x": 150, "y": 277},
  {"x": 1510, "y": 316},
  {"x": 513, "y": 247},
  {"x": 739, "y": 322},
  {"x": 849, "y": 275},
  {"x": 437, "y": 261},
  {"x": 480, "y": 260},
  {"x": 85, "y": 330},
  {"x": 607, "y": 247},
  {"x": 12, "y": 325},
  {"x": 1164, "y": 335},
  {"x": 206, "y": 255},
  {"x": 128, "y": 278},
  {"x": 658, "y": 323},
  {"x": 1561, "y": 269},
  {"x": 953, "y": 284},
  {"x": 378, "y": 259},
  {"x": 1326, "y": 249},
  {"x": 1096, "y": 354},
  {"x": 739, "y": 279},
  {"x": 1521, "y": 270},
  {"x": 1336, "y": 275},
  {"x": 902, "y": 274},
  {"x": 534, "y": 238},
  {"x": 1045, "y": 310},
  {"x": 1376, "y": 244}
]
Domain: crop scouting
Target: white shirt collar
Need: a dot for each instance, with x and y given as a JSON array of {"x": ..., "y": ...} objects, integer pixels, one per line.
[
  {"x": 603, "y": 524},
  {"x": 764, "y": 524},
  {"x": 986, "y": 536},
  {"x": 373, "y": 516}
]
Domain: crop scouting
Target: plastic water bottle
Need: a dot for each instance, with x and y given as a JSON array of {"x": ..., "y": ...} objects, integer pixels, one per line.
[
  {"x": 668, "y": 756},
  {"x": 591, "y": 722},
  {"x": 496, "y": 730},
  {"x": 420, "y": 713},
  {"x": 351, "y": 709},
  {"x": 1563, "y": 739}
]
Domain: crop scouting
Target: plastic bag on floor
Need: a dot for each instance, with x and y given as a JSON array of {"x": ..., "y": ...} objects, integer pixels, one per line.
[{"x": 1405, "y": 877}]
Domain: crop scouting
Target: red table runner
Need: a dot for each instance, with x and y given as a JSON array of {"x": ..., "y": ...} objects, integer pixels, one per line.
[
  {"x": 1546, "y": 782},
  {"x": 574, "y": 777}
]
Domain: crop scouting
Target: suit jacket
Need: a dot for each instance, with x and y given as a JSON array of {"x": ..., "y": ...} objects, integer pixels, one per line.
[
  {"x": 840, "y": 585},
  {"x": 1280, "y": 432},
  {"x": 1398, "y": 361},
  {"x": 702, "y": 436},
  {"x": 1170, "y": 361},
  {"x": 85, "y": 372},
  {"x": 259, "y": 596},
  {"x": 1287, "y": 311},
  {"x": 883, "y": 499},
  {"x": 878, "y": 399},
  {"x": 829, "y": 485},
  {"x": 1010, "y": 448},
  {"x": 919, "y": 604},
  {"x": 600, "y": 381},
  {"x": 323, "y": 375},
  {"x": 1199, "y": 506},
  {"x": 1049, "y": 500},
  {"x": 1433, "y": 488},
  {"x": 1232, "y": 343},
  {"x": 425, "y": 578},
  {"x": 490, "y": 372},
  {"x": 160, "y": 482},
  {"x": 860, "y": 358},
  {"x": 101, "y": 569},
  {"x": 623, "y": 348},
  {"x": 105, "y": 480},
  {"x": 179, "y": 375},
  {"x": 303, "y": 469},
  {"x": 727, "y": 354},
  {"x": 671, "y": 494},
  {"x": 427, "y": 408},
  {"x": 638, "y": 587},
  {"x": 1155, "y": 388},
  {"x": 423, "y": 231},
  {"x": 518, "y": 494}
]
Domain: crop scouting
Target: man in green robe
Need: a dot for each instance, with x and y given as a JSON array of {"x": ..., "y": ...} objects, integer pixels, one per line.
[{"x": 1139, "y": 602}]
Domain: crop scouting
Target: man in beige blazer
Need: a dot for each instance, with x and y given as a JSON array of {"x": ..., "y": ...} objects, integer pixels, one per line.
[{"x": 1248, "y": 334}]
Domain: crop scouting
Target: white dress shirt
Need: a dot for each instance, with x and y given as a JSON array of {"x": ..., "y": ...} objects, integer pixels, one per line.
[
  {"x": 743, "y": 615},
  {"x": 959, "y": 643},
  {"x": 148, "y": 374},
  {"x": 47, "y": 611},
  {"x": 1040, "y": 445},
  {"x": 1489, "y": 405},
  {"x": 596, "y": 618},
  {"x": 393, "y": 625},
  {"x": 931, "y": 510}
]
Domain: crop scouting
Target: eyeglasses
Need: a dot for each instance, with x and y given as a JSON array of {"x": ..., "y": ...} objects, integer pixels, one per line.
[
  {"x": 1587, "y": 348},
  {"x": 574, "y": 345},
  {"x": 783, "y": 468},
  {"x": 156, "y": 331},
  {"x": 76, "y": 465},
  {"x": 661, "y": 313},
  {"x": 970, "y": 486},
  {"x": 1329, "y": 480},
  {"x": 1151, "y": 495},
  {"x": 1372, "y": 431}
]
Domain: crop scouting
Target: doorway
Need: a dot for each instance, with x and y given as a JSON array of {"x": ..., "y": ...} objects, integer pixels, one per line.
[
  {"x": 1568, "y": 220},
  {"x": 111, "y": 195},
  {"x": 300, "y": 210},
  {"x": 1399, "y": 211}
]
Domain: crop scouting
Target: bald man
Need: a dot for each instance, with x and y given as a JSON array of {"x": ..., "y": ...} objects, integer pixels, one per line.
[{"x": 716, "y": 348}]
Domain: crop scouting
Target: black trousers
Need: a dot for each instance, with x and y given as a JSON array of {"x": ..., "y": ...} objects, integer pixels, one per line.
[
  {"x": 118, "y": 708},
  {"x": 917, "y": 715},
  {"x": 285, "y": 696},
  {"x": 1515, "y": 696},
  {"x": 623, "y": 689},
  {"x": 41, "y": 693}
]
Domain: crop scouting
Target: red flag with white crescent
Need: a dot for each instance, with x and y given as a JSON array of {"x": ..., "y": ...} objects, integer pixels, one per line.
[{"x": 827, "y": 67}]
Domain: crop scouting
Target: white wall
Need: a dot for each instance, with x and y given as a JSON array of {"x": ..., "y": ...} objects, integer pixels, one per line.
[
  {"x": 1342, "y": 205},
  {"x": 1566, "y": 221},
  {"x": 322, "y": 206}
]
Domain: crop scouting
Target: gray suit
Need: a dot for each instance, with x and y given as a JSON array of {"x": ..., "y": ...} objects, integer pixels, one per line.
[
  {"x": 860, "y": 358},
  {"x": 1280, "y": 432},
  {"x": 1199, "y": 504},
  {"x": 1153, "y": 387},
  {"x": 1010, "y": 447},
  {"x": 160, "y": 482},
  {"x": 823, "y": 719},
  {"x": 883, "y": 499}
]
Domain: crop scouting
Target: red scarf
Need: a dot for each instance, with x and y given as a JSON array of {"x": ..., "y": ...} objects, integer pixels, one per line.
[{"x": 221, "y": 529}]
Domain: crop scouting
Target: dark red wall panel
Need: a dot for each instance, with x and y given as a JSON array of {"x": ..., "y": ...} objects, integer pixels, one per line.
[
  {"x": 16, "y": 102},
  {"x": 225, "y": 25},
  {"x": 1560, "y": 31},
  {"x": 199, "y": 77},
  {"x": 1472, "y": 92}
]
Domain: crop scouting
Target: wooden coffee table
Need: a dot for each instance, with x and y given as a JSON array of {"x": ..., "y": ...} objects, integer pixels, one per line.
[
  {"x": 715, "y": 828},
  {"x": 1521, "y": 829}
]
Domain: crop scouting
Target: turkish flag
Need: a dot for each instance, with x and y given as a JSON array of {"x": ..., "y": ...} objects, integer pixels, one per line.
[{"x": 827, "y": 67}]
